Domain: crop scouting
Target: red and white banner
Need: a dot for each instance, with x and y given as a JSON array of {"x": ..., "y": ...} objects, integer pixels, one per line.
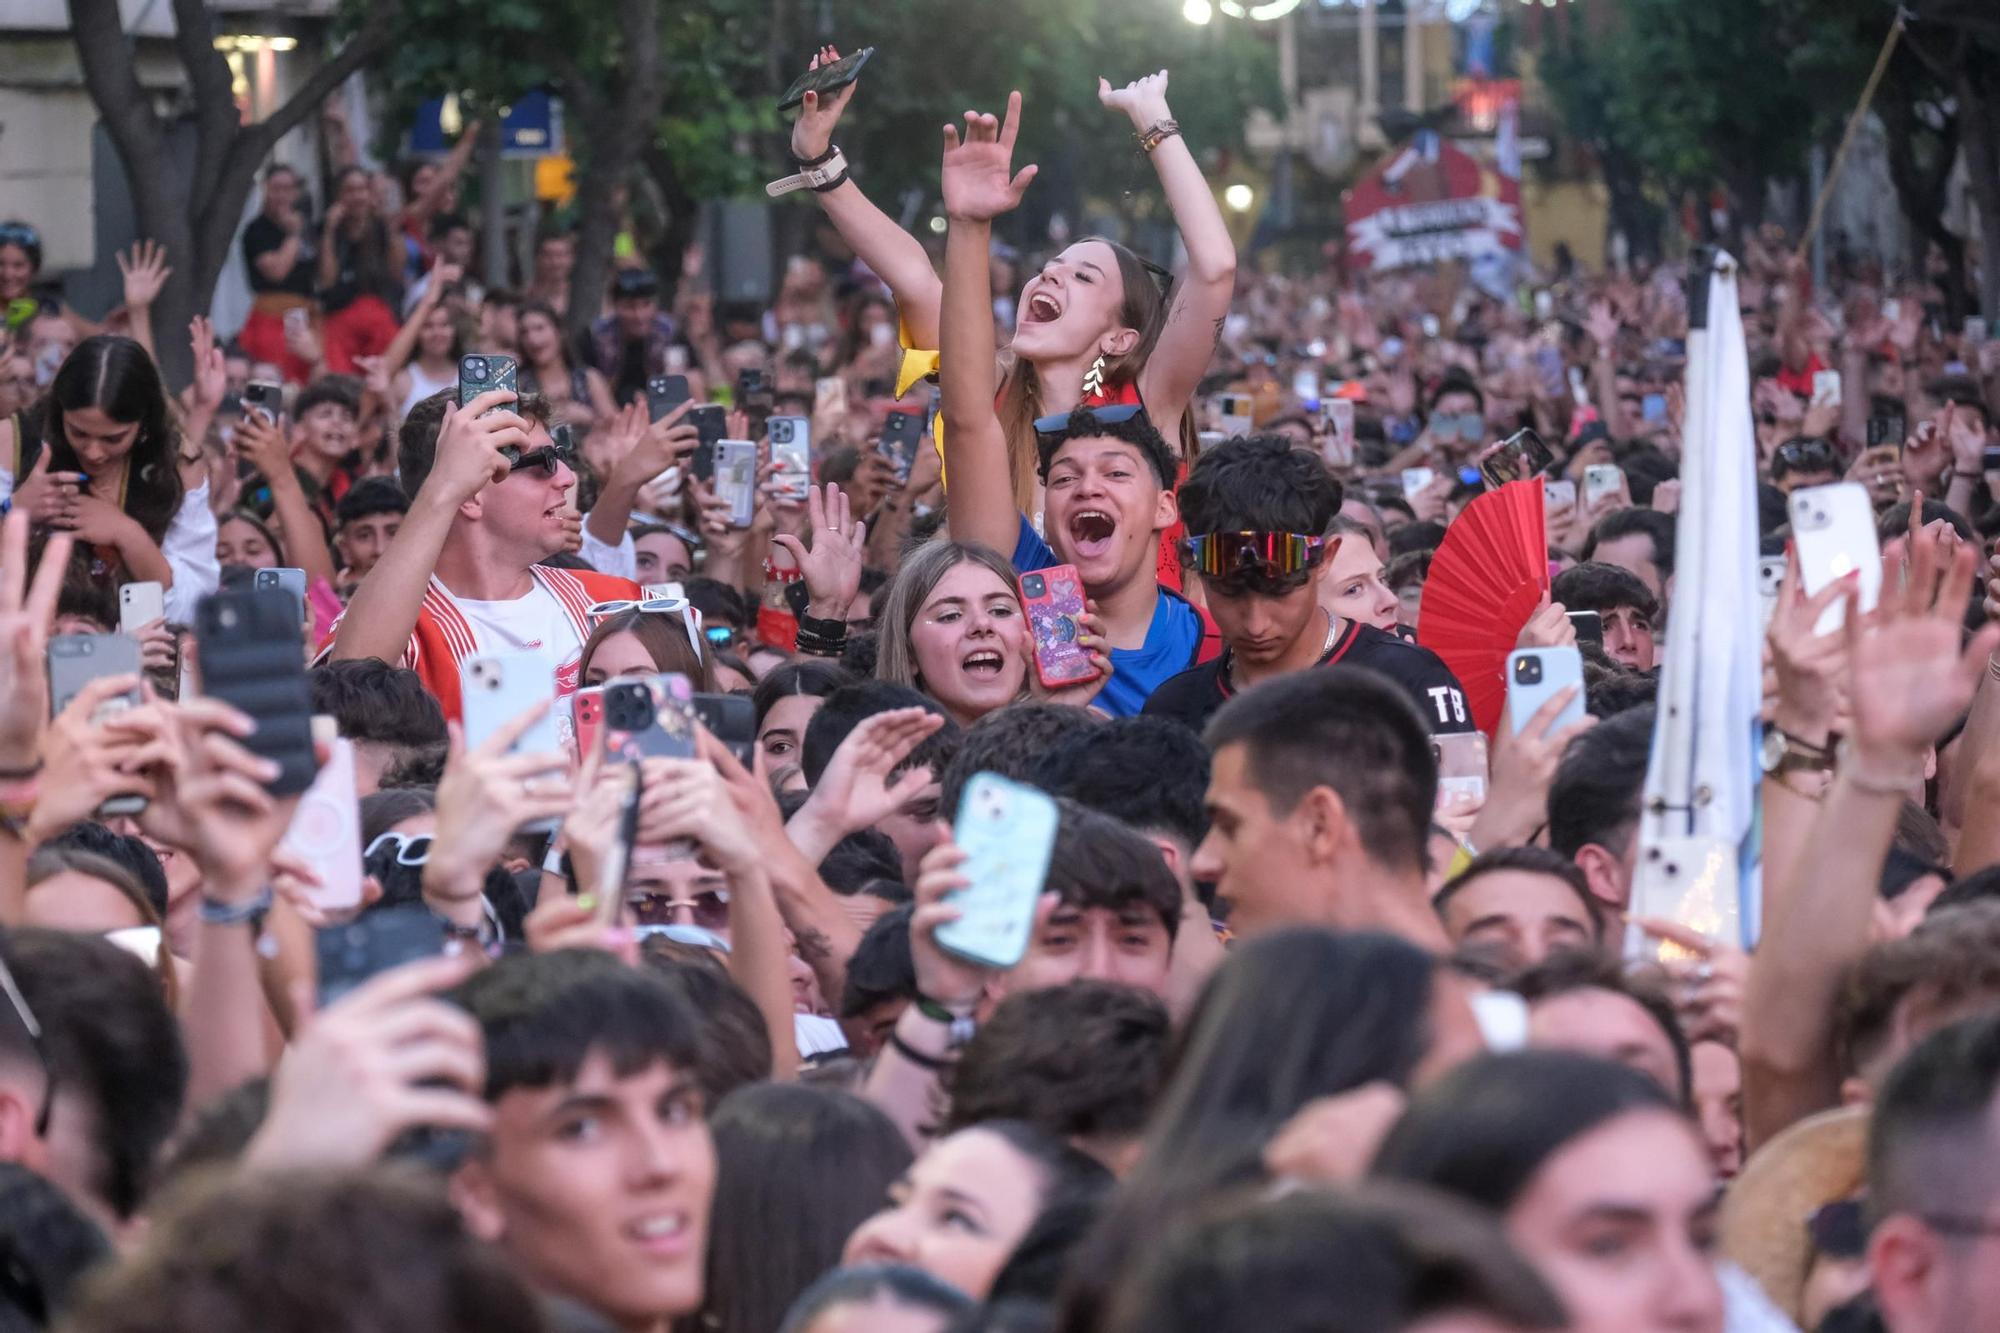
[{"x": 1431, "y": 203}]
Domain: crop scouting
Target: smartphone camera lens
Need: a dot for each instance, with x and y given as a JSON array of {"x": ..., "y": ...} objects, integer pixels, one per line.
[
  {"x": 1528, "y": 670},
  {"x": 475, "y": 368},
  {"x": 1033, "y": 585}
]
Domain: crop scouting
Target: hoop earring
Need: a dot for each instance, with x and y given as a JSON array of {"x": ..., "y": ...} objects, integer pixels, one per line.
[{"x": 1093, "y": 379}]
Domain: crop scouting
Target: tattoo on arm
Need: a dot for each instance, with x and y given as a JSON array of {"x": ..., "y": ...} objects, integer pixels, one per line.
[{"x": 1218, "y": 329}]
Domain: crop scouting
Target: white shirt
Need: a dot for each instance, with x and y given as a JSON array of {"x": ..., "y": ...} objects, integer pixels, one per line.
[
  {"x": 622, "y": 559},
  {"x": 535, "y": 623},
  {"x": 189, "y": 547}
]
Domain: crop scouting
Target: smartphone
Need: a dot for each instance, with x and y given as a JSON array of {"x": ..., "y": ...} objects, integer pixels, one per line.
[
  {"x": 1600, "y": 480},
  {"x": 648, "y": 716},
  {"x": 1887, "y": 428},
  {"x": 1770, "y": 581},
  {"x": 1892, "y": 309},
  {"x": 1237, "y": 411},
  {"x": 1008, "y": 833},
  {"x": 901, "y": 434},
  {"x": 325, "y": 831},
  {"x": 586, "y": 714},
  {"x": 291, "y": 582},
  {"x": 1336, "y": 443},
  {"x": 1305, "y": 387},
  {"x": 377, "y": 940},
  {"x": 74, "y": 660},
  {"x": 1053, "y": 600},
  {"x": 483, "y": 373},
  {"x": 1653, "y": 408},
  {"x": 1833, "y": 531},
  {"x": 1415, "y": 479},
  {"x": 252, "y": 657},
  {"x": 1516, "y": 458},
  {"x": 736, "y": 479},
  {"x": 140, "y": 604},
  {"x": 830, "y": 395},
  {"x": 731, "y": 719},
  {"x": 791, "y": 450},
  {"x": 1589, "y": 625},
  {"x": 826, "y": 79},
  {"x": 1534, "y": 675},
  {"x": 264, "y": 399},
  {"x": 1826, "y": 388},
  {"x": 1558, "y": 492},
  {"x": 664, "y": 393},
  {"x": 499, "y": 687},
  {"x": 1461, "y": 764},
  {"x": 711, "y": 423}
]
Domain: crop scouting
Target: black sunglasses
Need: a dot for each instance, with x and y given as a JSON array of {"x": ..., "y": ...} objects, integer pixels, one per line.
[
  {"x": 1058, "y": 423},
  {"x": 35, "y": 1039},
  {"x": 1807, "y": 455},
  {"x": 548, "y": 457}
]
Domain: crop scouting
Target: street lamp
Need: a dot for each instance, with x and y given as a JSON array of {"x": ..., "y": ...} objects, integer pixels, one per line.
[{"x": 1238, "y": 198}]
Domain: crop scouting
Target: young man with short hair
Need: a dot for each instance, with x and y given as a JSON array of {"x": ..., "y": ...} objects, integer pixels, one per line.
[
  {"x": 1623, "y": 604},
  {"x": 1320, "y": 805},
  {"x": 324, "y": 417},
  {"x": 1516, "y": 906},
  {"x": 384, "y": 710},
  {"x": 598, "y": 1172},
  {"x": 1594, "y": 803},
  {"x": 364, "y": 522},
  {"x": 1584, "y": 1002},
  {"x": 488, "y": 484},
  {"x": 1255, "y": 510},
  {"x": 1640, "y": 541}
]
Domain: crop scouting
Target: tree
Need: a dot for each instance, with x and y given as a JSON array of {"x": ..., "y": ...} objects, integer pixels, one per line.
[{"x": 195, "y": 218}]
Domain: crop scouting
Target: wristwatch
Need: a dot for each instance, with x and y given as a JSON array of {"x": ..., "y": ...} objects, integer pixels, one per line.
[
  {"x": 1785, "y": 753},
  {"x": 822, "y": 174}
]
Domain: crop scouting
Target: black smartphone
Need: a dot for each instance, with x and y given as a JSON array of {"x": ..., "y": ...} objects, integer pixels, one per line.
[
  {"x": 664, "y": 393},
  {"x": 253, "y": 657},
  {"x": 754, "y": 397},
  {"x": 1887, "y": 428},
  {"x": 731, "y": 718},
  {"x": 484, "y": 373},
  {"x": 377, "y": 940},
  {"x": 1589, "y": 626},
  {"x": 1516, "y": 458},
  {"x": 265, "y": 399},
  {"x": 711, "y": 424},
  {"x": 898, "y": 442},
  {"x": 827, "y": 78}
]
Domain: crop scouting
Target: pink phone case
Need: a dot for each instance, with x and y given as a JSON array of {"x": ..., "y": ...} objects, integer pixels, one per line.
[{"x": 1053, "y": 599}]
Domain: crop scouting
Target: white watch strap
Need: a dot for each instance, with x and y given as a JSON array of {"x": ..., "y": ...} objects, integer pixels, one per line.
[{"x": 810, "y": 177}]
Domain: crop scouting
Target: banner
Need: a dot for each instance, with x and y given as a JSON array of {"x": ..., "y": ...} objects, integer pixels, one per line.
[{"x": 1431, "y": 203}]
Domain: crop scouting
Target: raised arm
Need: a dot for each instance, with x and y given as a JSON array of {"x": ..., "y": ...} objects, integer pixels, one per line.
[
  {"x": 1201, "y": 294},
  {"x": 979, "y": 185},
  {"x": 404, "y": 345},
  {"x": 886, "y": 248},
  {"x": 431, "y": 202}
]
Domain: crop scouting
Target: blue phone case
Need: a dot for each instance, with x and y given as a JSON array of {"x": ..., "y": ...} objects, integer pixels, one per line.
[
  {"x": 1551, "y": 669},
  {"x": 499, "y": 687},
  {"x": 1008, "y": 832}
]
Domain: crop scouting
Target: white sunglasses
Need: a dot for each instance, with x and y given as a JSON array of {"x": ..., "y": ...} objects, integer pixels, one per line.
[{"x": 661, "y": 606}]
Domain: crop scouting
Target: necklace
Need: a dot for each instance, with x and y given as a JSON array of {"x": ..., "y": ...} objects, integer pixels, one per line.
[{"x": 1325, "y": 647}]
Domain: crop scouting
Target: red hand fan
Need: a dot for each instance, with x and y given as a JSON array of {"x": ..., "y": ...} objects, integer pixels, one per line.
[{"x": 1485, "y": 582}]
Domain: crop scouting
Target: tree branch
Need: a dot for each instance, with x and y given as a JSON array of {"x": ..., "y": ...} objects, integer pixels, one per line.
[
  {"x": 214, "y": 98},
  {"x": 111, "y": 79}
]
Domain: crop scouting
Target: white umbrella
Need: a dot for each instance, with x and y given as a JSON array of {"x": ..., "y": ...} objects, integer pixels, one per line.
[{"x": 1698, "y": 830}]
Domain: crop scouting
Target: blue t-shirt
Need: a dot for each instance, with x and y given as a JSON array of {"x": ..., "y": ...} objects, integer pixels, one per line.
[{"x": 1171, "y": 640}]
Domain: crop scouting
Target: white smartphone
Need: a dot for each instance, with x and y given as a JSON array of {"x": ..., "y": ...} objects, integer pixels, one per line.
[
  {"x": 1833, "y": 530},
  {"x": 1008, "y": 833},
  {"x": 1826, "y": 388},
  {"x": 140, "y": 604},
  {"x": 499, "y": 687},
  {"x": 325, "y": 831},
  {"x": 1237, "y": 412},
  {"x": 791, "y": 450},
  {"x": 1600, "y": 480},
  {"x": 1337, "y": 441},
  {"x": 1461, "y": 764},
  {"x": 736, "y": 479},
  {"x": 1535, "y": 675},
  {"x": 1559, "y": 493},
  {"x": 1415, "y": 479}
]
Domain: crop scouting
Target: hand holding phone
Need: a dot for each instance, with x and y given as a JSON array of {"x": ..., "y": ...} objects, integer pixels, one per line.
[
  {"x": 252, "y": 657},
  {"x": 1007, "y": 833},
  {"x": 1833, "y": 531},
  {"x": 1054, "y": 602},
  {"x": 1536, "y": 675}
]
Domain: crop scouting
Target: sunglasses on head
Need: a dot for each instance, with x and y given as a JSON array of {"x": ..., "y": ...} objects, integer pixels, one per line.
[
  {"x": 402, "y": 849},
  {"x": 549, "y": 457},
  {"x": 1117, "y": 413},
  {"x": 655, "y": 606},
  {"x": 20, "y": 233},
  {"x": 1222, "y": 554}
]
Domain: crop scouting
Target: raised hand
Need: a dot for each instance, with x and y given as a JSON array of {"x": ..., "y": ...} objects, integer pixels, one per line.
[
  {"x": 1524, "y": 767},
  {"x": 1602, "y": 326},
  {"x": 943, "y": 977},
  {"x": 1811, "y": 668},
  {"x": 980, "y": 182},
  {"x": 211, "y": 374},
  {"x": 856, "y": 789},
  {"x": 262, "y": 444},
  {"x": 88, "y": 762},
  {"x": 469, "y": 444},
  {"x": 812, "y": 133},
  {"x": 146, "y": 272},
  {"x": 832, "y": 563},
  {"x": 1144, "y": 100},
  {"x": 486, "y": 796}
]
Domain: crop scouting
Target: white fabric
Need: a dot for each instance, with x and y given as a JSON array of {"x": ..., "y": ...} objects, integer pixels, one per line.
[
  {"x": 189, "y": 547},
  {"x": 622, "y": 559},
  {"x": 532, "y": 624},
  {"x": 816, "y": 1035},
  {"x": 423, "y": 386}
]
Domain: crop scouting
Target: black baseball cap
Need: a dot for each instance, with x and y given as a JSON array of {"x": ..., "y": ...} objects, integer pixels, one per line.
[{"x": 634, "y": 282}]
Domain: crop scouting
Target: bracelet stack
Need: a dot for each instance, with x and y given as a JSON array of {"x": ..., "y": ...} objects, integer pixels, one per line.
[{"x": 1157, "y": 133}]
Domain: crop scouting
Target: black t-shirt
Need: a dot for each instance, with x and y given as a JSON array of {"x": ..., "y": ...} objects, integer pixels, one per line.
[
  {"x": 1195, "y": 694},
  {"x": 260, "y": 237}
]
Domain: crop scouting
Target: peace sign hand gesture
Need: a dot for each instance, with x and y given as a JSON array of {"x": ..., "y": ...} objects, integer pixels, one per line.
[{"x": 980, "y": 182}]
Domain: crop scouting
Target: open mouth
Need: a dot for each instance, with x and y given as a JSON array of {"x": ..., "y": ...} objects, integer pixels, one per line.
[
  {"x": 985, "y": 664},
  {"x": 1091, "y": 531},
  {"x": 1042, "y": 309}
]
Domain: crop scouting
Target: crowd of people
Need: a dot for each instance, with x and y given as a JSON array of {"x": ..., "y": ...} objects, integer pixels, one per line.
[{"x": 1302, "y": 1037}]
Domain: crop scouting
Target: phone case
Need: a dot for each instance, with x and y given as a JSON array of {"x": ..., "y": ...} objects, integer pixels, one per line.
[
  {"x": 353, "y": 951},
  {"x": 1589, "y": 626},
  {"x": 1534, "y": 675},
  {"x": 1008, "y": 833},
  {"x": 736, "y": 479},
  {"x": 291, "y": 582},
  {"x": 898, "y": 443},
  {"x": 791, "y": 450},
  {"x": 1833, "y": 531},
  {"x": 587, "y": 717},
  {"x": 1053, "y": 599},
  {"x": 140, "y": 604},
  {"x": 711, "y": 423},
  {"x": 730, "y": 718},
  {"x": 77, "y": 659},
  {"x": 481, "y": 374},
  {"x": 1516, "y": 458},
  {"x": 1556, "y": 493},
  {"x": 252, "y": 657},
  {"x": 325, "y": 831},
  {"x": 664, "y": 393},
  {"x": 827, "y": 78},
  {"x": 1462, "y": 763},
  {"x": 1600, "y": 480},
  {"x": 1337, "y": 444},
  {"x": 264, "y": 398},
  {"x": 499, "y": 687},
  {"x": 652, "y": 717}
]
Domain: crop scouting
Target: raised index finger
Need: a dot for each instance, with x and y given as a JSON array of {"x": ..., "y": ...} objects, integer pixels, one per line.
[{"x": 1011, "y": 126}]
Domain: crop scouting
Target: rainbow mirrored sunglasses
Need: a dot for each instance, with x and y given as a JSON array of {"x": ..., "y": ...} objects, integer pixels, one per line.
[
  {"x": 1218, "y": 555},
  {"x": 656, "y": 606}
]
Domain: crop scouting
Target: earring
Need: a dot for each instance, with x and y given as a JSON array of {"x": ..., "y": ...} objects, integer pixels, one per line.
[{"x": 1093, "y": 379}]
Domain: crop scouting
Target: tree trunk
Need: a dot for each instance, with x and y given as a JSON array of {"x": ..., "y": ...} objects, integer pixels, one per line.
[
  {"x": 1979, "y": 114},
  {"x": 492, "y": 206},
  {"x": 683, "y": 221},
  {"x": 619, "y": 127}
]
